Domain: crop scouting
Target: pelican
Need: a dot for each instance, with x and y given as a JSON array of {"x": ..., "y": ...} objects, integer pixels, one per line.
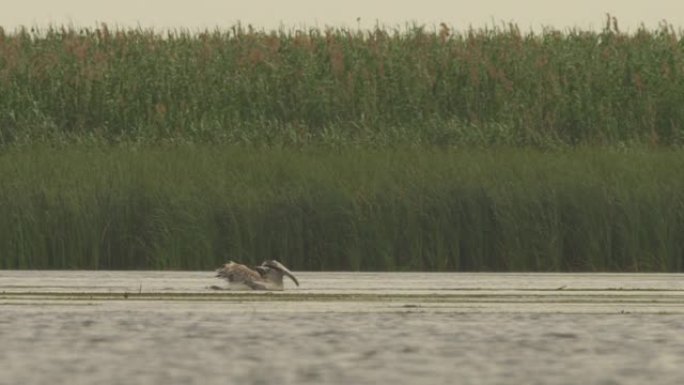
[{"x": 267, "y": 276}]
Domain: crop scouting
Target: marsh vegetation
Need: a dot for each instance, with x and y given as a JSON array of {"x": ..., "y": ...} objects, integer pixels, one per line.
[
  {"x": 193, "y": 207},
  {"x": 407, "y": 149}
]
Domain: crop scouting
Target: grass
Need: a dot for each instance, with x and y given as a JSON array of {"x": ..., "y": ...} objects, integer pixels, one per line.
[
  {"x": 336, "y": 149},
  {"x": 194, "y": 206},
  {"x": 480, "y": 87}
]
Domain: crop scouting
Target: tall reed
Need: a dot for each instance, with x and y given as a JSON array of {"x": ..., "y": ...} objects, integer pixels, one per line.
[
  {"x": 193, "y": 207},
  {"x": 488, "y": 86}
]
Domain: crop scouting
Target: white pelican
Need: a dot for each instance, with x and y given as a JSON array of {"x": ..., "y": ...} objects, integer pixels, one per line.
[{"x": 268, "y": 276}]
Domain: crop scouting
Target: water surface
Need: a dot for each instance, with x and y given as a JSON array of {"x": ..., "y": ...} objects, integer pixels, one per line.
[{"x": 340, "y": 328}]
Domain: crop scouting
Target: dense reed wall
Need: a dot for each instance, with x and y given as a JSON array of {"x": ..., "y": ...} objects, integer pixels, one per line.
[
  {"x": 190, "y": 207},
  {"x": 413, "y": 85},
  {"x": 407, "y": 149}
]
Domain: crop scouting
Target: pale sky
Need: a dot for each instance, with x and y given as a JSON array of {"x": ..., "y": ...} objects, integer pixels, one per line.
[{"x": 200, "y": 14}]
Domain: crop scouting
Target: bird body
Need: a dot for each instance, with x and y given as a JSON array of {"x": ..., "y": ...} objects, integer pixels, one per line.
[{"x": 267, "y": 276}]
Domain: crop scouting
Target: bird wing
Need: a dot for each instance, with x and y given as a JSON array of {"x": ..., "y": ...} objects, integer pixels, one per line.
[{"x": 273, "y": 264}]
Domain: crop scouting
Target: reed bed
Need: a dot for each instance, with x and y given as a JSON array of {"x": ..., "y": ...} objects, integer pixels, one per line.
[
  {"x": 195, "y": 206},
  {"x": 411, "y": 85},
  {"x": 391, "y": 149}
]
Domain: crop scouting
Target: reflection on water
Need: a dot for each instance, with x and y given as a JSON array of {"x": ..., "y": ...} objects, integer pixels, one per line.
[{"x": 341, "y": 328}]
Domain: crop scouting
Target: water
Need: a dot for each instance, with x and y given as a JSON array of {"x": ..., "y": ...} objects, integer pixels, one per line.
[{"x": 342, "y": 328}]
